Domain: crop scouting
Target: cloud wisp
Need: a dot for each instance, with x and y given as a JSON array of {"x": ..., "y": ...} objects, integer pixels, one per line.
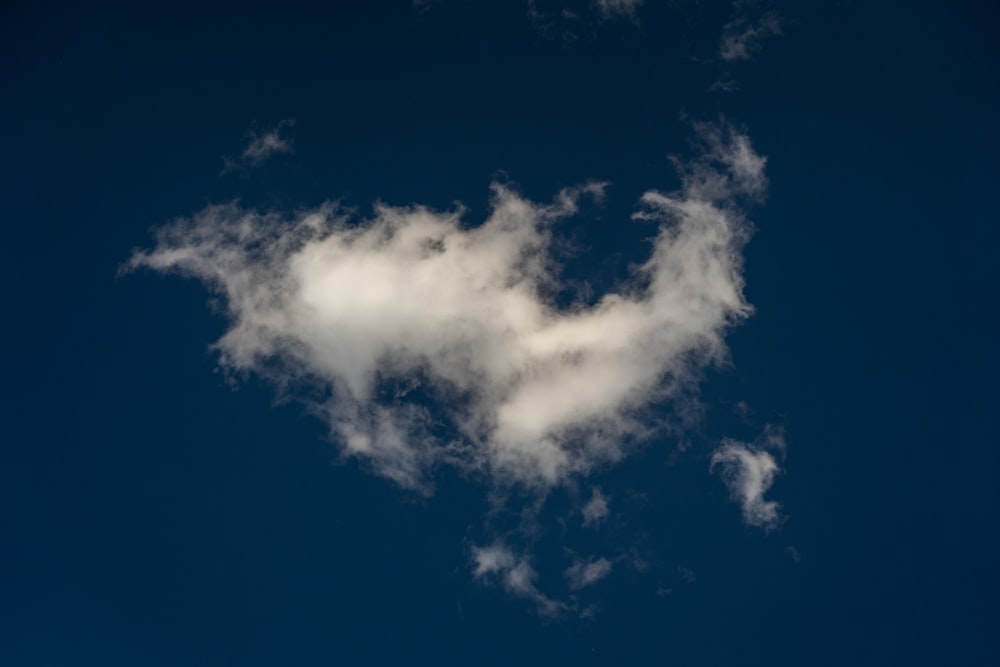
[
  {"x": 498, "y": 564},
  {"x": 261, "y": 146},
  {"x": 560, "y": 23},
  {"x": 743, "y": 35},
  {"x": 749, "y": 471},
  {"x": 596, "y": 509},
  {"x": 423, "y": 341},
  {"x": 613, "y": 8},
  {"x": 585, "y": 573}
]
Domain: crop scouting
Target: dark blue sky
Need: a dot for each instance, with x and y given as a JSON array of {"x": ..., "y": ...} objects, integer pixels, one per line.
[{"x": 153, "y": 514}]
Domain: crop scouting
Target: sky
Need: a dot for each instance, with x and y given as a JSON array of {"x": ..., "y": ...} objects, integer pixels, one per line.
[{"x": 522, "y": 332}]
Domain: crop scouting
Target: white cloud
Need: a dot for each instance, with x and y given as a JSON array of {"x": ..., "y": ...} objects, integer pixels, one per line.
[
  {"x": 423, "y": 341},
  {"x": 529, "y": 393},
  {"x": 596, "y": 509},
  {"x": 260, "y": 146},
  {"x": 497, "y": 563},
  {"x": 583, "y": 573},
  {"x": 492, "y": 559},
  {"x": 743, "y": 34},
  {"x": 749, "y": 471}
]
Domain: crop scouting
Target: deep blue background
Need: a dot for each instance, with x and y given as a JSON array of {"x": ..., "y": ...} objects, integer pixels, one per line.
[{"x": 151, "y": 515}]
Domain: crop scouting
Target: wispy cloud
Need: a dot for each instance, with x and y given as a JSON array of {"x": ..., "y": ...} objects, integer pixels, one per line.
[
  {"x": 596, "y": 509},
  {"x": 743, "y": 35},
  {"x": 583, "y": 573},
  {"x": 749, "y": 471},
  {"x": 614, "y": 8},
  {"x": 724, "y": 86},
  {"x": 562, "y": 25},
  {"x": 261, "y": 146},
  {"x": 557, "y": 22},
  {"x": 423, "y": 341},
  {"x": 497, "y": 563}
]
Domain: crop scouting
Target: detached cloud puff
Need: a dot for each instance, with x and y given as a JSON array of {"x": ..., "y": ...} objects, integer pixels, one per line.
[
  {"x": 424, "y": 341},
  {"x": 262, "y": 146},
  {"x": 596, "y": 509},
  {"x": 749, "y": 471},
  {"x": 583, "y": 573},
  {"x": 742, "y": 36},
  {"x": 497, "y": 563}
]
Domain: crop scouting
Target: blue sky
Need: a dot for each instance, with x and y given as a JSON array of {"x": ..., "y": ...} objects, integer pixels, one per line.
[{"x": 519, "y": 332}]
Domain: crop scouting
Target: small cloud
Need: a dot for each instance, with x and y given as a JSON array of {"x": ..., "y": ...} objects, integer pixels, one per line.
[
  {"x": 562, "y": 26},
  {"x": 742, "y": 35},
  {"x": 596, "y": 509},
  {"x": 773, "y": 438},
  {"x": 638, "y": 563},
  {"x": 724, "y": 86},
  {"x": 491, "y": 559},
  {"x": 749, "y": 471},
  {"x": 584, "y": 573},
  {"x": 262, "y": 146},
  {"x": 497, "y": 562}
]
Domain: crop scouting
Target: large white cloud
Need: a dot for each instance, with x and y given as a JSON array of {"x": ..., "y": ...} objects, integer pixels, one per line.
[
  {"x": 425, "y": 341},
  {"x": 428, "y": 341}
]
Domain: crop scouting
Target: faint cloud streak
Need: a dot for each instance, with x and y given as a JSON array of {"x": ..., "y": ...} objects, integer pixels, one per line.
[
  {"x": 743, "y": 35},
  {"x": 261, "y": 146}
]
